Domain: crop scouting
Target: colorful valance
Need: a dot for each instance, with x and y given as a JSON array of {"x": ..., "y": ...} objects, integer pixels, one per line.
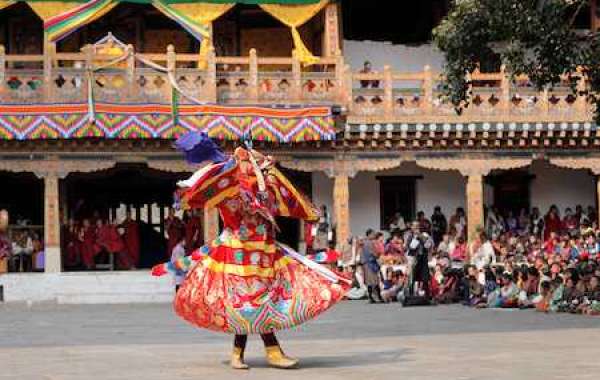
[
  {"x": 155, "y": 121},
  {"x": 251, "y": 2}
]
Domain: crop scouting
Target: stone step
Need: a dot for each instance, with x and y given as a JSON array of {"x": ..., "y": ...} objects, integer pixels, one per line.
[{"x": 87, "y": 287}]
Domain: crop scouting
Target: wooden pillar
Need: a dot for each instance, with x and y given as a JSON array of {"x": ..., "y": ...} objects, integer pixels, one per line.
[
  {"x": 428, "y": 85},
  {"x": 2, "y": 64},
  {"x": 52, "y": 223},
  {"x": 341, "y": 210},
  {"x": 211, "y": 77},
  {"x": 211, "y": 225},
  {"x": 49, "y": 55},
  {"x": 388, "y": 91},
  {"x": 253, "y": 85},
  {"x": 474, "y": 192},
  {"x": 331, "y": 36},
  {"x": 505, "y": 91}
]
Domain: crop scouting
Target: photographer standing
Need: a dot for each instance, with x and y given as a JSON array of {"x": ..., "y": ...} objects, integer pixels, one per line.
[{"x": 418, "y": 246}]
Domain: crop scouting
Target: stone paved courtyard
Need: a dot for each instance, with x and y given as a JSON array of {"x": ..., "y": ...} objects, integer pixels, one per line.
[{"x": 354, "y": 341}]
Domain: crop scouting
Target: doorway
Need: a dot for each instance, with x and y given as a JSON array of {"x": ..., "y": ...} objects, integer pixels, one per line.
[{"x": 511, "y": 190}]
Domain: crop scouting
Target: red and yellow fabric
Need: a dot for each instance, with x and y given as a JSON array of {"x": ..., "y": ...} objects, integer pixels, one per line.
[
  {"x": 220, "y": 182},
  {"x": 243, "y": 282},
  {"x": 294, "y": 16},
  {"x": 62, "y": 18}
]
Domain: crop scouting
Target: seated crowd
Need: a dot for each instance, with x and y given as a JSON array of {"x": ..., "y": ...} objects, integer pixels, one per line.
[
  {"x": 550, "y": 263},
  {"x": 23, "y": 249},
  {"x": 86, "y": 241}
]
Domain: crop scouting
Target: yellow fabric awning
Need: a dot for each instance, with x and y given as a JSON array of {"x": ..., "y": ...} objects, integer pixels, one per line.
[{"x": 294, "y": 16}]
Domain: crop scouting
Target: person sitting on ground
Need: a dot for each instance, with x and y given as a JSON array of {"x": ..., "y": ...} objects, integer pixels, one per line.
[
  {"x": 394, "y": 250},
  {"x": 359, "y": 289},
  {"x": 590, "y": 304},
  {"x": 448, "y": 288},
  {"x": 444, "y": 246},
  {"x": 484, "y": 254},
  {"x": 542, "y": 302},
  {"x": 476, "y": 290},
  {"x": 459, "y": 253},
  {"x": 507, "y": 296},
  {"x": 570, "y": 298},
  {"x": 394, "y": 286}
]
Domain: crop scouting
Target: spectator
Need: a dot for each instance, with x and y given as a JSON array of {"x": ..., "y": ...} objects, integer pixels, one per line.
[
  {"x": 367, "y": 69},
  {"x": 439, "y": 225},
  {"x": 175, "y": 231},
  {"x": 536, "y": 224},
  {"x": 179, "y": 252},
  {"x": 424, "y": 223},
  {"x": 552, "y": 222},
  {"x": 458, "y": 222},
  {"x": 397, "y": 224},
  {"x": 484, "y": 255},
  {"x": 371, "y": 268},
  {"x": 22, "y": 250},
  {"x": 393, "y": 288},
  {"x": 131, "y": 238}
]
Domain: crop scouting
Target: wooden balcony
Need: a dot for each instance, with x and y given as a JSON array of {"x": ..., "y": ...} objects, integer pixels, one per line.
[{"x": 384, "y": 97}]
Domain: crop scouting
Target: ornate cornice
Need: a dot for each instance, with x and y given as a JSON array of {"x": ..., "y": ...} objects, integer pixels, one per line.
[
  {"x": 589, "y": 163},
  {"x": 54, "y": 167},
  {"x": 346, "y": 166},
  {"x": 173, "y": 166},
  {"x": 471, "y": 167}
]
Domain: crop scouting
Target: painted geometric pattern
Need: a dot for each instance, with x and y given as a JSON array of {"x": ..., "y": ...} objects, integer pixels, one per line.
[{"x": 153, "y": 121}]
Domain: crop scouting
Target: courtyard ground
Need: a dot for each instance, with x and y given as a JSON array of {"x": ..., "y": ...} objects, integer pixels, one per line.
[{"x": 353, "y": 341}]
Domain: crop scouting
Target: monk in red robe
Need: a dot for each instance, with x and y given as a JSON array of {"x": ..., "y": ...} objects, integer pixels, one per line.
[
  {"x": 552, "y": 222},
  {"x": 175, "y": 231},
  {"x": 193, "y": 231},
  {"x": 131, "y": 236},
  {"x": 89, "y": 248},
  {"x": 110, "y": 240},
  {"x": 72, "y": 244}
]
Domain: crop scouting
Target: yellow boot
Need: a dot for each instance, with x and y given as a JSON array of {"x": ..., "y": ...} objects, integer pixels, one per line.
[
  {"x": 237, "y": 359},
  {"x": 276, "y": 358}
]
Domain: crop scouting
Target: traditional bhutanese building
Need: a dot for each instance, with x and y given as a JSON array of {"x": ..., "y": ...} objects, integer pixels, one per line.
[{"x": 93, "y": 93}]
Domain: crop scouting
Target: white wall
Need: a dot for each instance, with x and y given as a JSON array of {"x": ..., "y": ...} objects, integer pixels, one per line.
[
  {"x": 552, "y": 185},
  {"x": 322, "y": 190},
  {"x": 399, "y": 57},
  {"x": 445, "y": 189},
  {"x": 563, "y": 187}
]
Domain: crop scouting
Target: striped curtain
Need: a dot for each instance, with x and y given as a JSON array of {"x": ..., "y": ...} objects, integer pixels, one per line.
[{"x": 66, "y": 17}]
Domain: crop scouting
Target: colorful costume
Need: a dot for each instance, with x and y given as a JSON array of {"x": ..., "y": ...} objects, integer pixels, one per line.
[{"x": 244, "y": 282}]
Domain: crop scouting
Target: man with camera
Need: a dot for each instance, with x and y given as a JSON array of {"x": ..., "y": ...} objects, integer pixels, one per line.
[{"x": 418, "y": 246}]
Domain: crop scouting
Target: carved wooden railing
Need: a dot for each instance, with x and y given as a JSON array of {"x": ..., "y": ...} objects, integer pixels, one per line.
[
  {"x": 391, "y": 96},
  {"x": 62, "y": 77},
  {"x": 377, "y": 97}
]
